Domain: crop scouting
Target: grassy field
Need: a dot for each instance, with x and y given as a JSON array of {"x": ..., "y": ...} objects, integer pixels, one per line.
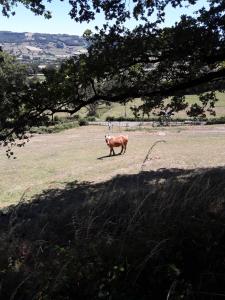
[
  {"x": 52, "y": 161},
  {"x": 117, "y": 110},
  {"x": 144, "y": 225},
  {"x": 154, "y": 231}
]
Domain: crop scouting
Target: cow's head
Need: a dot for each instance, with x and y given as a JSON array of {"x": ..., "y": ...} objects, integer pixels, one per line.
[{"x": 107, "y": 137}]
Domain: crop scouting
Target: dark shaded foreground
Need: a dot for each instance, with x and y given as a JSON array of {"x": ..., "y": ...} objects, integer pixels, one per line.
[{"x": 155, "y": 235}]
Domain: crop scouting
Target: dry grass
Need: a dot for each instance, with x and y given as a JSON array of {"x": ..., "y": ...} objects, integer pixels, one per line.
[
  {"x": 153, "y": 235},
  {"x": 51, "y": 161}
]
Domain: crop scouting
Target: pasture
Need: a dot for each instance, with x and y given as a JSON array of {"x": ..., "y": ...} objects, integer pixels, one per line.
[
  {"x": 80, "y": 154},
  {"x": 119, "y": 110}
]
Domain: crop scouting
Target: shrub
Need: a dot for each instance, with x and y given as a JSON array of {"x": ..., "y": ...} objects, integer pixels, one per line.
[
  {"x": 83, "y": 122},
  {"x": 91, "y": 118},
  {"x": 220, "y": 120},
  {"x": 52, "y": 129},
  {"x": 129, "y": 119},
  {"x": 74, "y": 117},
  {"x": 56, "y": 119},
  {"x": 110, "y": 118}
]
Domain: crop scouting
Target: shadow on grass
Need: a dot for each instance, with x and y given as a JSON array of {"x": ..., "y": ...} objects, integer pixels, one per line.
[
  {"x": 109, "y": 156},
  {"x": 158, "y": 234}
]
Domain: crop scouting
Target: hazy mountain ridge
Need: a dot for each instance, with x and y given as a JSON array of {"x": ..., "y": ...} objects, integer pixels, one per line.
[{"x": 43, "y": 47}]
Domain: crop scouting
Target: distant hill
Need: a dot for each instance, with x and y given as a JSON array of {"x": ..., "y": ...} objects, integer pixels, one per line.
[{"x": 41, "y": 47}]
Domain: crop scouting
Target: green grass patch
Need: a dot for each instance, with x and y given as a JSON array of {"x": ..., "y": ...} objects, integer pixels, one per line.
[
  {"x": 123, "y": 112},
  {"x": 54, "y": 128},
  {"x": 120, "y": 112}
]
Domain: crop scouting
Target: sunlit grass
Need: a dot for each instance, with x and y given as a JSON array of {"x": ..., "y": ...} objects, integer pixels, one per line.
[{"x": 52, "y": 160}]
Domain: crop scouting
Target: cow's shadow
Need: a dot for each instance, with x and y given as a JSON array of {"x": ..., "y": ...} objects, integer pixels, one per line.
[{"x": 109, "y": 156}]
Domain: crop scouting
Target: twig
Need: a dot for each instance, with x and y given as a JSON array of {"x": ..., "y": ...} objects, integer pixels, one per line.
[
  {"x": 18, "y": 286},
  {"x": 211, "y": 294},
  {"x": 154, "y": 251},
  {"x": 149, "y": 151},
  {"x": 172, "y": 287}
]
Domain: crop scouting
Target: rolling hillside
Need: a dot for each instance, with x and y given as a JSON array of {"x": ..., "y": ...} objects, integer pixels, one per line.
[{"x": 41, "y": 47}]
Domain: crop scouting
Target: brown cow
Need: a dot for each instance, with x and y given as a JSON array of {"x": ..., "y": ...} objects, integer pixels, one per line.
[{"x": 116, "y": 141}]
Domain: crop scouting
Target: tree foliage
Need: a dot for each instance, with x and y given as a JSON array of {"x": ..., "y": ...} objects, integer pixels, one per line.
[
  {"x": 19, "y": 106},
  {"x": 13, "y": 78},
  {"x": 150, "y": 62}
]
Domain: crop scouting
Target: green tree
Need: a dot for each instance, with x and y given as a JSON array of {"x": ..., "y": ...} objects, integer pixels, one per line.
[
  {"x": 19, "y": 100},
  {"x": 151, "y": 62},
  {"x": 13, "y": 78}
]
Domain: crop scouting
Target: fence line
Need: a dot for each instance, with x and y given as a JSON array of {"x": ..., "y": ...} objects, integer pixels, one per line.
[{"x": 144, "y": 123}]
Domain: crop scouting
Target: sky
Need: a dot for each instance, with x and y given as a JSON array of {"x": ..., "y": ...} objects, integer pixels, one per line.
[{"x": 26, "y": 21}]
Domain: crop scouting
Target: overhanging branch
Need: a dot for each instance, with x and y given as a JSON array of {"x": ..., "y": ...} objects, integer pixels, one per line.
[{"x": 136, "y": 92}]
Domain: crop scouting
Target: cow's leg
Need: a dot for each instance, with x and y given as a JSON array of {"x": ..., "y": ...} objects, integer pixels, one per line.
[
  {"x": 125, "y": 148},
  {"x": 121, "y": 149},
  {"x": 111, "y": 151}
]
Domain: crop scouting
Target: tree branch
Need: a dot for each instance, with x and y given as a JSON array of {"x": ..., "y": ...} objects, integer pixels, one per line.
[{"x": 136, "y": 92}]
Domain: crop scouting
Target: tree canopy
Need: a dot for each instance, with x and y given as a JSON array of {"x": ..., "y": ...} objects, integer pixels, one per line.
[{"x": 150, "y": 62}]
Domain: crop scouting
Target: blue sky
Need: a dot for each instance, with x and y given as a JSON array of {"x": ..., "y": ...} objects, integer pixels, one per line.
[{"x": 25, "y": 21}]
